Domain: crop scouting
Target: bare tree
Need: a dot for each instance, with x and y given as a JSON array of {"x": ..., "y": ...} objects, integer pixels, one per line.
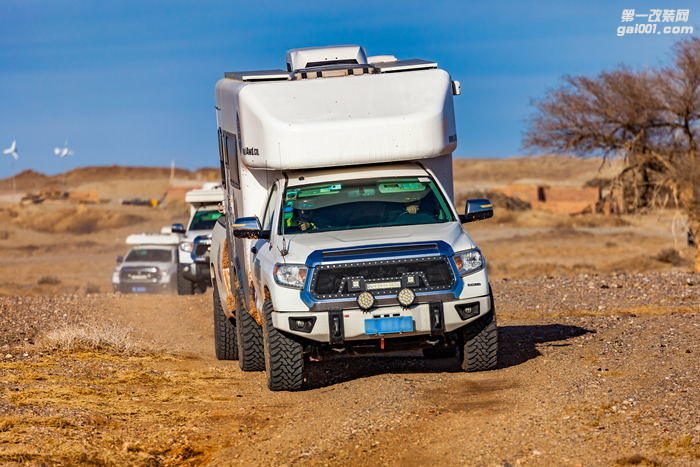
[{"x": 651, "y": 118}]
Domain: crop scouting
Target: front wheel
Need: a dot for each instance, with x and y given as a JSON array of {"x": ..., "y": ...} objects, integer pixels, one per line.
[
  {"x": 284, "y": 357},
  {"x": 184, "y": 286},
  {"x": 479, "y": 351}
]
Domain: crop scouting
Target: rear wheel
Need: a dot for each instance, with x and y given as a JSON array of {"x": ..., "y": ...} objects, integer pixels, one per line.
[
  {"x": 480, "y": 344},
  {"x": 225, "y": 342},
  {"x": 284, "y": 357},
  {"x": 249, "y": 336},
  {"x": 184, "y": 286}
]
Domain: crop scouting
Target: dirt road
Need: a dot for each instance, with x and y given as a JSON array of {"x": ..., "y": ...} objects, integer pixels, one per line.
[{"x": 580, "y": 382}]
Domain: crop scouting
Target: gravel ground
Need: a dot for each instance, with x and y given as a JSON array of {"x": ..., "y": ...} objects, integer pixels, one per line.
[
  {"x": 594, "y": 370},
  {"x": 598, "y": 294},
  {"x": 23, "y": 318}
]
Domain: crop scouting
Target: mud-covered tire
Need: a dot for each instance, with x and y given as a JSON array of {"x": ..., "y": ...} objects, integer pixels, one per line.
[
  {"x": 184, "y": 286},
  {"x": 284, "y": 357},
  {"x": 225, "y": 342},
  {"x": 250, "y": 340},
  {"x": 442, "y": 352},
  {"x": 479, "y": 351}
]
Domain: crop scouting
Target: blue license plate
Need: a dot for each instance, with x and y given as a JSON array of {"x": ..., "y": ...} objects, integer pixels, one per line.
[
  {"x": 389, "y": 325},
  {"x": 138, "y": 289}
]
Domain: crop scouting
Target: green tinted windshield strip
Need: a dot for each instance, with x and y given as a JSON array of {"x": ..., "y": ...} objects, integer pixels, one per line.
[{"x": 401, "y": 187}]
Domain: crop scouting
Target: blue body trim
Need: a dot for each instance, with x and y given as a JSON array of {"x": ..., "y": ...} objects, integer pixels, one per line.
[
  {"x": 437, "y": 248},
  {"x": 443, "y": 249}
]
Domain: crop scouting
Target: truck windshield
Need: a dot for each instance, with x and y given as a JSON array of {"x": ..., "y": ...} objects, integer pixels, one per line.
[
  {"x": 149, "y": 255},
  {"x": 204, "y": 220},
  {"x": 360, "y": 204}
]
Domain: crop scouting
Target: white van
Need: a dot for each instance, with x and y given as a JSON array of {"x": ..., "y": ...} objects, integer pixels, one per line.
[{"x": 340, "y": 232}]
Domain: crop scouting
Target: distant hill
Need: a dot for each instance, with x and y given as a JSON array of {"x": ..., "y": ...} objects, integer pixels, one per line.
[
  {"x": 31, "y": 180},
  {"x": 468, "y": 172},
  {"x": 546, "y": 169}
]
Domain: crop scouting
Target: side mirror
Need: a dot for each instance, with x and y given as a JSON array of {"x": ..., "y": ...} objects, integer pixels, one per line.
[
  {"x": 120, "y": 259},
  {"x": 177, "y": 228},
  {"x": 249, "y": 227},
  {"x": 476, "y": 210}
]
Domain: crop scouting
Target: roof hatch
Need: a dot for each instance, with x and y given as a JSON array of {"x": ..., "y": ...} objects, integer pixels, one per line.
[{"x": 309, "y": 57}]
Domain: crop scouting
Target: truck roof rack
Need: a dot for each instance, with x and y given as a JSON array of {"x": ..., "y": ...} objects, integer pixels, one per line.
[
  {"x": 404, "y": 65},
  {"x": 333, "y": 69},
  {"x": 259, "y": 75}
]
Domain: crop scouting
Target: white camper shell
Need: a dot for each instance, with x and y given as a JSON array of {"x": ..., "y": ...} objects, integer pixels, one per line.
[
  {"x": 153, "y": 239},
  {"x": 339, "y": 117}
]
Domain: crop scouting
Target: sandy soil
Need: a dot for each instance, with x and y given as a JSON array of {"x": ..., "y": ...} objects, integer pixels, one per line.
[{"x": 599, "y": 339}]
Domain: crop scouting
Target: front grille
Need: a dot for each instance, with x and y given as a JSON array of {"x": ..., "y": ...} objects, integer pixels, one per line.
[
  {"x": 381, "y": 276},
  {"x": 139, "y": 274}
]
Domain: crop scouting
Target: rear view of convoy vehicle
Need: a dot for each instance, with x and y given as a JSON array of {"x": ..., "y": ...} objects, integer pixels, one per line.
[
  {"x": 193, "y": 275},
  {"x": 340, "y": 233}
]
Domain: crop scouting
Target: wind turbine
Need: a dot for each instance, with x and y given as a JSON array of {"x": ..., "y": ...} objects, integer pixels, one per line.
[
  {"x": 12, "y": 151},
  {"x": 64, "y": 151}
]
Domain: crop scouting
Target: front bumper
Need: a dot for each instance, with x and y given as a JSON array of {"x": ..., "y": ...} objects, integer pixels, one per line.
[
  {"x": 136, "y": 287},
  {"x": 351, "y": 322}
]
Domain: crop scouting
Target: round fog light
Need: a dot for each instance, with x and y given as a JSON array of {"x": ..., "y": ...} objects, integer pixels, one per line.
[
  {"x": 365, "y": 300},
  {"x": 406, "y": 297}
]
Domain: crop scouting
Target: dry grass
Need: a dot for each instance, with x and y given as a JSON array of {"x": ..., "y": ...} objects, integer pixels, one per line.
[
  {"x": 48, "y": 280},
  {"x": 90, "y": 337},
  {"x": 672, "y": 257},
  {"x": 94, "y": 408},
  {"x": 636, "y": 459}
]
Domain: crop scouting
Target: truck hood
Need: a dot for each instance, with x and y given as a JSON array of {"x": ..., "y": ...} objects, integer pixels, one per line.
[
  {"x": 300, "y": 246},
  {"x": 161, "y": 266}
]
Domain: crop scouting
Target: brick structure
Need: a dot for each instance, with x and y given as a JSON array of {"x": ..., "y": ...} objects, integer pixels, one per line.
[{"x": 556, "y": 199}]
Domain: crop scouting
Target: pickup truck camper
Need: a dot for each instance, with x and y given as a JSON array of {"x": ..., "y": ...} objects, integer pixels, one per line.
[
  {"x": 340, "y": 234},
  {"x": 150, "y": 266},
  {"x": 193, "y": 276}
]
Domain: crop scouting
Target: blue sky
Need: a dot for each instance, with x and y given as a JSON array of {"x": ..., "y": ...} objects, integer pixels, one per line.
[{"x": 131, "y": 82}]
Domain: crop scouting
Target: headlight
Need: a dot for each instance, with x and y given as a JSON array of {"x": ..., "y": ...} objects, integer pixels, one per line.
[
  {"x": 290, "y": 275},
  {"x": 468, "y": 261},
  {"x": 115, "y": 277},
  {"x": 186, "y": 246}
]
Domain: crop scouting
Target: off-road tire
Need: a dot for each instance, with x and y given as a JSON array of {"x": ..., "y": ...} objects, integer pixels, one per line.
[
  {"x": 441, "y": 352},
  {"x": 184, "y": 286},
  {"x": 225, "y": 342},
  {"x": 479, "y": 351},
  {"x": 284, "y": 357},
  {"x": 250, "y": 340}
]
